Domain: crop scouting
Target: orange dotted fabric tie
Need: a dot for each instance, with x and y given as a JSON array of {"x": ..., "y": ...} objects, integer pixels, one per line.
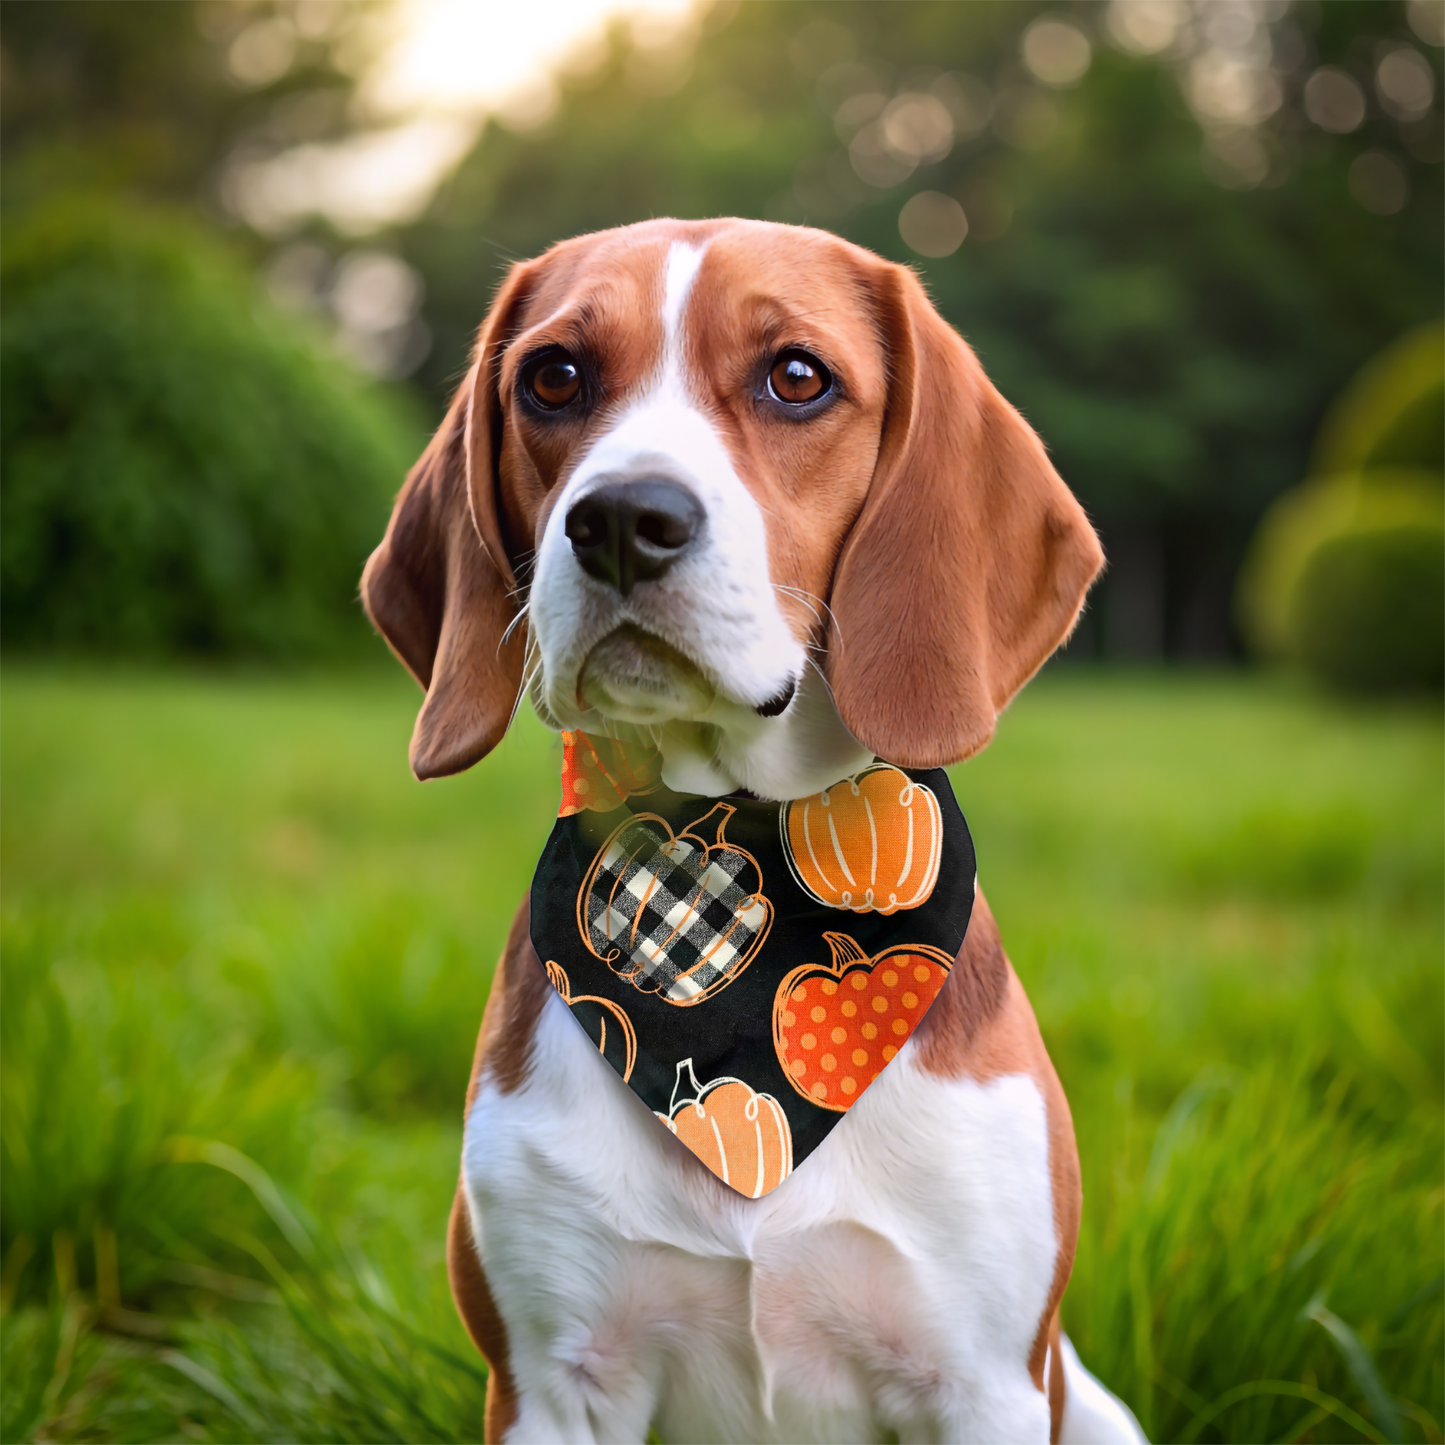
[{"x": 749, "y": 969}]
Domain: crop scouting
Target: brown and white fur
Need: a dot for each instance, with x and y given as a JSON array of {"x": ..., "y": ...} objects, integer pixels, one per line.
[{"x": 903, "y": 559}]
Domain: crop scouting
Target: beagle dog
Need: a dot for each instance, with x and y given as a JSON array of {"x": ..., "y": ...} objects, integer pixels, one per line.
[{"x": 736, "y": 488}]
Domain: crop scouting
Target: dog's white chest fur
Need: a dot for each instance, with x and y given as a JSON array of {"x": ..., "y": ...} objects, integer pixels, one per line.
[{"x": 896, "y": 1282}]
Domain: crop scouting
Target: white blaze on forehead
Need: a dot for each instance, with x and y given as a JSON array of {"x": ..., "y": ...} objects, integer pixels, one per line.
[{"x": 683, "y": 262}]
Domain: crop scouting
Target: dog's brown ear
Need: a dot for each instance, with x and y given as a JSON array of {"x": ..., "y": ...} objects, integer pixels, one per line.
[
  {"x": 969, "y": 561},
  {"x": 440, "y": 587}
]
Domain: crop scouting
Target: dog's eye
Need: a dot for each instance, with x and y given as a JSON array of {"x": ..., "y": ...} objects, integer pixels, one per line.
[
  {"x": 797, "y": 378},
  {"x": 552, "y": 381}
]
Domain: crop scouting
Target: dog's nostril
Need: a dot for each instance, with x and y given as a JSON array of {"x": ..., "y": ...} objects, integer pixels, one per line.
[
  {"x": 586, "y": 526},
  {"x": 623, "y": 533},
  {"x": 663, "y": 530}
]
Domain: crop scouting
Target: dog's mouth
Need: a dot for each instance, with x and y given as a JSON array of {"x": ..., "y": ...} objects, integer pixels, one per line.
[
  {"x": 634, "y": 676},
  {"x": 776, "y": 705}
]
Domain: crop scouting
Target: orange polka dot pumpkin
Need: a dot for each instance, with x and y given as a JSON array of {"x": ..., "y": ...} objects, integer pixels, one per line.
[
  {"x": 870, "y": 844},
  {"x": 837, "y": 1025},
  {"x": 741, "y": 1135}
]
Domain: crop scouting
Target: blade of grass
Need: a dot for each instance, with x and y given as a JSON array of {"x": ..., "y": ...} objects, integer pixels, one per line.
[
  {"x": 1429, "y": 1425},
  {"x": 1362, "y": 1367},
  {"x": 185, "y": 1150},
  {"x": 1287, "y": 1388},
  {"x": 1428, "y": 1292},
  {"x": 1210, "y": 1080},
  {"x": 199, "y": 1375},
  {"x": 1300, "y": 1426}
]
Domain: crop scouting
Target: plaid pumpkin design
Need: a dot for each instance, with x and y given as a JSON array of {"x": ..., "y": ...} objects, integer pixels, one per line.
[{"x": 675, "y": 915}]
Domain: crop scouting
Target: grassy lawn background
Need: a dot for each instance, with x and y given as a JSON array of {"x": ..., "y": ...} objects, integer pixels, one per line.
[{"x": 245, "y": 956}]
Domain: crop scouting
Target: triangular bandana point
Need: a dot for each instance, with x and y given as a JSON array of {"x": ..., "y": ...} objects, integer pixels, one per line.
[{"x": 749, "y": 968}]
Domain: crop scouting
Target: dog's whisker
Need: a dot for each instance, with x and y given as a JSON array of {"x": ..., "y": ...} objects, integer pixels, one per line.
[
  {"x": 809, "y": 598},
  {"x": 512, "y": 625},
  {"x": 823, "y": 676},
  {"x": 531, "y": 671},
  {"x": 529, "y": 680},
  {"x": 801, "y": 596}
]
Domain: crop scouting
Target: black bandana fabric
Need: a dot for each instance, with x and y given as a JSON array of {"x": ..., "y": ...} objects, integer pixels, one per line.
[{"x": 749, "y": 968}]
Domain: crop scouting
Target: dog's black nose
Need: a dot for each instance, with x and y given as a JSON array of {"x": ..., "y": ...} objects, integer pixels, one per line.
[{"x": 628, "y": 532}]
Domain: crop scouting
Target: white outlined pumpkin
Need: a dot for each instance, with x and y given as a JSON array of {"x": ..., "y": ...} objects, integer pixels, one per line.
[
  {"x": 674, "y": 914},
  {"x": 870, "y": 844},
  {"x": 557, "y": 977},
  {"x": 741, "y": 1135}
]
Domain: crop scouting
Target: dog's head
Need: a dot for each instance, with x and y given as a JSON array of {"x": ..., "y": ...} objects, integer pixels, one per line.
[{"x": 736, "y": 488}]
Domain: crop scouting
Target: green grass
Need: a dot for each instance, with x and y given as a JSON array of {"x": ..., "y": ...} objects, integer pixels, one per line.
[{"x": 245, "y": 955}]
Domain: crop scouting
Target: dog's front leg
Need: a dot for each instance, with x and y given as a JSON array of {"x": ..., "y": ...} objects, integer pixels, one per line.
[
  {"x": 572, "y": 1388},
  {"x": 589, "y": 1399},
  {"x": 571, "y": 1380},
  {"x": 611, "y": 1300}
]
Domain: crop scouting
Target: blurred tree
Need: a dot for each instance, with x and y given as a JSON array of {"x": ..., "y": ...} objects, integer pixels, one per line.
[
  {"x": 1172, "y": 259},
  {"x": 184, "y": 470},
  {"x": 1171, "y": 228},
  {"x": 158, "y": 99}
]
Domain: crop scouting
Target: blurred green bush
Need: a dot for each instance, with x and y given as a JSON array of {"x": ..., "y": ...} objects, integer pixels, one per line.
[
  {"x": 1346, "y": 574},
  {"x": 186, "y": 471},
  {"x": 1368, "y": 612}
]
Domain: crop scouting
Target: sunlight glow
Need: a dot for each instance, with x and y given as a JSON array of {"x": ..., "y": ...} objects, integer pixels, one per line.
[
  {"x": 473, "y": 56},
  {"x": 442, "y": 67}
]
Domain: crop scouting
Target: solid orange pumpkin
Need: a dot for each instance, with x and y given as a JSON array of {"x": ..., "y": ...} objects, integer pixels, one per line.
[
  {"x": 741, "y": 1135},
  {"x": 870, "y": 844}
]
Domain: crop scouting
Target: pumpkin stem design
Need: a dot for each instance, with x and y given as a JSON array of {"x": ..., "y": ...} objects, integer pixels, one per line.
[
  {"x": 845, "y": 951},
  {"x": 742, "y": 1136},
  {"x": 718, "y": 841},
  {"x": 694, "y": 1093}
]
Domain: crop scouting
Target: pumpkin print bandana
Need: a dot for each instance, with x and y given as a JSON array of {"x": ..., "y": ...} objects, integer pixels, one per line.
[{"x": 749, "y": 968}]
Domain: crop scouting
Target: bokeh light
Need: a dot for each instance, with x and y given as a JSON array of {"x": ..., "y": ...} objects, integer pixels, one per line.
[
  {"x": 1334, "y": 100},
  {"x": 1405, "y": 83},
  {"x": 932, "y": 224},
  {"x": 1146, "y": 27},
  {"x": 1056, "y": 51},
  {"x": 1427, "y": 20}
]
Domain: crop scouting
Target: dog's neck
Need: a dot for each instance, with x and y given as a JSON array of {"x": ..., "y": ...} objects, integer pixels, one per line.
[{"x": 729, "y": 747}]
